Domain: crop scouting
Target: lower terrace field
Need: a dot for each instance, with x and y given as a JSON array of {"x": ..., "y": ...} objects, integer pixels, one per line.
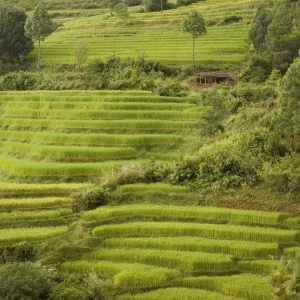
[{"x": 166, "y": 252}]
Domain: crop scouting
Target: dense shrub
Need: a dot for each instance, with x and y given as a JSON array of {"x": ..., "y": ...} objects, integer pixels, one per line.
[
  {"x": 24, "y": 281},
  {"x": 284, "y": 174},
  {"x": 18, "y": 81},
  {"x": 90, "y": 198},
  {"x": 65, "y": 291},
  {"x": 21, "y": 252}
]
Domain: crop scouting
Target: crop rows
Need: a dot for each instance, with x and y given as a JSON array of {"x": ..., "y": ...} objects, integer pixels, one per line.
[
  {"x": 111, "y": 126},
  {"x": 258, "y": 266},
  {"x": 235, "y": 248},
  {"x": 33, "y": 203},
  {"x": 230, "y": 232},
  {"x": 70, "y": 153},
  {"x": 246, "y": 286},
  {"x": 34, "y": 215},
  {"x": 125, "y": 274},
  {"x": 82, "y": 114},
  {"x": 178, "y": 294},
  {"x": 167, "y": 258},
  {"x": 186, "y": 212},
  {"x": 157, "y": 187},
  {"x": 10, "y": 236}
]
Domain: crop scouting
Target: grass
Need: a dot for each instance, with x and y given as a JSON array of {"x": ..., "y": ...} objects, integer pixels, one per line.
[
  {"x": 10, "y": 236},
  {"x": 177, "y": 294},
  {"x": 33, "y": 203},
  {"x": 292, "y": 223},
  {"x": 192, "y": 261},
  {"x": 20, "y": 190},
  {"x": 84, "y": 114},
  {"x": 246, "y": 286},
  {"x": 97, "y": 105},
  {"x": 186, "y": 212},
  {"x": 104, "y": 140},
  {"x": 229, "y": 232},
  {"x": 69, "y": 153},
  {"x": 110, "y": 126},
  {"x": 156, "y": 187},
  {"x": 239, "y": 249},
  {"x": 125, "y": 274},
  {"x": 44, "y": 171},
  {"x": 35, "y": 215},
  {"x": 258, "y": 266}
]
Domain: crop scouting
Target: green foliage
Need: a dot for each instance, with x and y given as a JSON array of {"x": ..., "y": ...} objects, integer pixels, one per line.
[
  {"x": 63, "y": 291},
  {"x": 285, "y": 282},
  {"x": 81, "y": 53},
  {"x": 259, "y": 29},
  {"x": 18, "y": 81},
  {"x": 22, "y": 252},
  {"x": 122, "y": 12},
  {"x": 283, "y": 175},
  {"x": 282, "y": 44},
  {"x": 90, "y": 198},
  {"x": 24, "y": 281},
  {"x": 155, "y": 5},
  {"x": 194, "y": 24},
  {"x": 289, "y": 120},
  {"x": 13, "y": 42}
]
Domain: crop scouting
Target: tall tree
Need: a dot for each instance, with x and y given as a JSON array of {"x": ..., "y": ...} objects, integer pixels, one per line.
[
  {"x": 13, "y": 41},
  {"x": 155, "y": 5},
  {"x": 289, "y": 118},
  {"x": 282, "y": 44},
  {"x": 39, "y": 26},
  {"x": 195, "y": 25},
  {"x": 259, "y": 29}
]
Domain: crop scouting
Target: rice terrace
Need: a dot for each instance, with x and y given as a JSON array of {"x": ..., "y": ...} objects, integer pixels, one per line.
[{"x": 149, "y": 150}]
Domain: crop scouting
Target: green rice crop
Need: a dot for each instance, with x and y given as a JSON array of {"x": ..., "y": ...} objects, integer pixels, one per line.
[
  {"x": 246, "y": 286},
  {"x": 167, "y": 258},
  {"x": 159, "y": 187},
  {"x": 44, "y": 170},
  {"x": 83, "y": 114},
  {"x": 70, "y": 153},
  {"x": 230, "y": 232},
  {"x": 33, "y": 203},
  {"x": 118, "y": 140},
  {"x": 292, "y": 223},
  {"x": 291, "y": 252},
  {"x": 77, "y": 105},
  {"x": 125, "y": 274},
  {"x": 111, "y": 126},
  {"x": 35, "y": 215},
  {"x": 178, "y": 294},
  {"x": 258, "y": 266},
  {"x": 186, "y": 212},
  {"x": 234, "y": 248},
  {"x": 20, "y": 190},
  {"x": 9, "y": 236}
]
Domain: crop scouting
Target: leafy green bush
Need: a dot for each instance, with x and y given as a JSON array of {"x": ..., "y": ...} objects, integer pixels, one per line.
[
  {"x": 65, "y": 291},
  {"x": 18, "y": 81},
  {"x": 283, "y": 175},
  {"x": 90, "y": 198},
  {"x": 21, "y": 252},
  {"x": 24, "y": 281}
]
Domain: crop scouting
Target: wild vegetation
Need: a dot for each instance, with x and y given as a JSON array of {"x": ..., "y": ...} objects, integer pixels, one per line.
[{"x": 124, "y": 174}]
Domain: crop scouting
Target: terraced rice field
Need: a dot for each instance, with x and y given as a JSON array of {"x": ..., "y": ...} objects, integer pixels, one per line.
[
  {"x": 76, "y": 136},
  {"x": 159, "y": 37},
  {"x": 213, "y": 253}
]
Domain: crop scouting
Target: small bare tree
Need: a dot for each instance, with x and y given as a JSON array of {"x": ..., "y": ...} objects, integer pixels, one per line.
[{"x": 81, "y": 54}]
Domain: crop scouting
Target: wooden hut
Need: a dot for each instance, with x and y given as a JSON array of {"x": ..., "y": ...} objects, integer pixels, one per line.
[{"x": 204, "y": 78}]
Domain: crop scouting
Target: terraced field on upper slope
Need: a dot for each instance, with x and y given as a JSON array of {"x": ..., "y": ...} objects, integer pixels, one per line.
[
  {"x": 185, "y": 252},
  {"x": 76, "y": 136},
  {"x": 158, "y": 36}
]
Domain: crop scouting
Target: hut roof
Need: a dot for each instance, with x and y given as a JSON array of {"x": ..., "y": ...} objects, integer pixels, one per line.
[{"x": 213, "y": 74}]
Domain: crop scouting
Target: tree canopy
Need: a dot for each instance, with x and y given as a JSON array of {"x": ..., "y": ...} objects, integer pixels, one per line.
[{"x": 13, "y": 41}]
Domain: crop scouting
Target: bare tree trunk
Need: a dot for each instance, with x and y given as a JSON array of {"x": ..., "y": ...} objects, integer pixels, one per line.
[
  {"x": 161, "y": 6},
  {"x": 194, "y": 68},
  {"x": 39, "y": 56}
]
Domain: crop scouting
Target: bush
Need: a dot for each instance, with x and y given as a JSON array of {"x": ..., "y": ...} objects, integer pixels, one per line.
[
  {"x": 283, "y": 175},
  {"x": 64, "y": 291},
  {"x": 24, "y": 281},
  {"x": 155, "y": 172},
  {"x": 19, "y": 81},
  {"x": 21, "y": 252},
  {"x": 170, "y": 87},
  {"x": 232, "y": 19},
  {"x": 90, "y": 198}
]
